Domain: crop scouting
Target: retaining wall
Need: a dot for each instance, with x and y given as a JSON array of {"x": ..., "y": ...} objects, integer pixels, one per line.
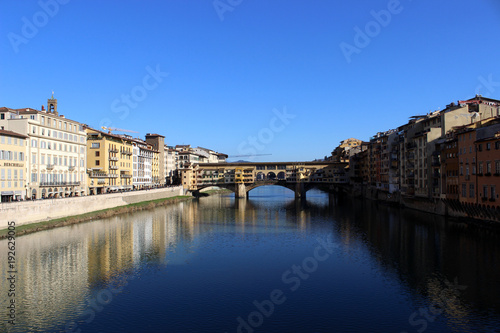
[{"x": 24, "y": 212}]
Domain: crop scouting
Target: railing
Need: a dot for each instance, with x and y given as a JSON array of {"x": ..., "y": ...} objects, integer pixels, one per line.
[
  {"x": 112, "y": 158},
  {"x": 50, "y": 166},
  {"x": 98, "y": 175},
  {"x": 71, "y": 168},
  {"x": 59, "y": 183},
  {"x": 113, "y": 150},
  {"x": 113, "y": 167}
]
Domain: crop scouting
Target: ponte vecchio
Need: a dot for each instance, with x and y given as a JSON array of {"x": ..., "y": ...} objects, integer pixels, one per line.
[{"x": 245, "y": 176}]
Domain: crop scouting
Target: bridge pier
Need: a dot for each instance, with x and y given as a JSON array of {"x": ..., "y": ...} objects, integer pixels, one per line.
[
  {"x": 300, "y": 191},
  {"x": 240, "y": 191}
]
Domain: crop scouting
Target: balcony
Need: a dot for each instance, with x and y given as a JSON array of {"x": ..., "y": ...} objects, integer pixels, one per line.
[
  {"x": 59, "y": 184},
  {"x": 98, "y": 175},
  {"x": 50, "y": 166},
  {"x": 113, "y": 158},
  {"x": 126, "y": 175},
  {"x": 113, "y": 167},
  {"x": 71, "y": 168}
]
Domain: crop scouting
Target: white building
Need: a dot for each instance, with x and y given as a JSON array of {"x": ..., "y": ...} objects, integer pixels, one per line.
[
  {"x": 143, "y": 155},
  {"x": 56, "y": 151}
]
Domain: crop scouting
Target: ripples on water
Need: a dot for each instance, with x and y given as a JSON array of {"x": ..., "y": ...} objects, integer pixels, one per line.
[{"x": 208, "y": 265}]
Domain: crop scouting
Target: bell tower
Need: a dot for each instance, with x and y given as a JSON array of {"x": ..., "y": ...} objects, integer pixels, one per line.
[{"x": 52, "y": 105}]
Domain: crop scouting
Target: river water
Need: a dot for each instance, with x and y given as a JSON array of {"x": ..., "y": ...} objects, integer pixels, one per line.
[{"x": 268, "y": 263}]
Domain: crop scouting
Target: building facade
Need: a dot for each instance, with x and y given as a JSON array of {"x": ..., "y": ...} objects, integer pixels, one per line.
[
  {"x": 13, "y": 166},
  {"x": 56, "y": 151},
  {"x": 109, "y": 162}
]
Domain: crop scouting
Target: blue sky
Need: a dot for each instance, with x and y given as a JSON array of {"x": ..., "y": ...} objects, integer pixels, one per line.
[{"x": 287, "y": 78}]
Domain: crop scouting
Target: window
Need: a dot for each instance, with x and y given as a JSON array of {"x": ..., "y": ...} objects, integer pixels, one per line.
[
  {"x": 95, "y": 145},
  {"x": 471, "y": 191},
  {"x": 21, "y": 156},
  {"x": 464, "y": 190},
  {"x": 480, "y": 147},
  {"x": 97, "y": 154},
  {"x": 461, "y": 171},
  {"x": 2, "y": 115},
  {"x": 485, "y": 191},
  {"x": 33, "y": 143},
  {"x": 493, "y": 192},
  {"x": 488, "y": 167},
  {"x": 473, "y": 169},
  {"x": 488, "y": 146},
  {"x": 42, "y": 159},
  {"x": 497, "y": 145},
  {"x": 97, "y": 162},
  {"x": 33, "y": 129},
  {"x": 33, "y": 158},
  {"x": 480, "y": 171},
  {"x": 497, "y": 167},
  {"x": 43, "y": 120}
]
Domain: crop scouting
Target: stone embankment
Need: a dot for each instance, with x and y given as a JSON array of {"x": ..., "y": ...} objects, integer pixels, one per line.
[{"x": 28, "y": 212}]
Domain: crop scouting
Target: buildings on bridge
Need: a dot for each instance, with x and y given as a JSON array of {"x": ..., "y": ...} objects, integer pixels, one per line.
[{"x": 203, "y": 175}]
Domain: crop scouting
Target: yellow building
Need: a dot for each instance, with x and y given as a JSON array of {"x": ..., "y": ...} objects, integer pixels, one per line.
[
  {"x": 13, "y": 164},
  {"x": 109, "y": 162}
]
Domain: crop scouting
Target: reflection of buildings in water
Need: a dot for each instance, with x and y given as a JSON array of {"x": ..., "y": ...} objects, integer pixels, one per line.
[
  {"x": 415, "y": 246},
  {"x": 51, "y": 275},
  {"x": 444, "y": 296}
]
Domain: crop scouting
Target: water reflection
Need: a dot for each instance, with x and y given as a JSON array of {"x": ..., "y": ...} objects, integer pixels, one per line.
[{"x": 60, "y": 270}]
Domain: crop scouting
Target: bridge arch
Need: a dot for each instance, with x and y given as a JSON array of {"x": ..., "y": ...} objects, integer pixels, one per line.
[{"x": 271, "y": 175}]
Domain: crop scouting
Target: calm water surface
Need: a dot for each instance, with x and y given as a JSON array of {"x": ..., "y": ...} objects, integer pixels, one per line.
[{"x": 266, "y": 264}]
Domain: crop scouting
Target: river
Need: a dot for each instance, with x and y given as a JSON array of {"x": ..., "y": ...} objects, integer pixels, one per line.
[{"x": 268, "y": 263}]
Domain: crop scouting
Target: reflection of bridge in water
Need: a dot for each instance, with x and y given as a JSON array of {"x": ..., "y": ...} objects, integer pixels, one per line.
[{"x": 243, "y": 177}]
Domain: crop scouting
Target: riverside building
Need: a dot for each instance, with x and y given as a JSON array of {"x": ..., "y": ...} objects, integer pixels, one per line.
[
  {"x": 55, "y": 150},
  {"x": 13, "y": 166}
]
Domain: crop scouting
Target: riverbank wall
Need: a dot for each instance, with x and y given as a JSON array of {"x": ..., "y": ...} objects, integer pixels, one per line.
[
  {"x": 27, "y": 212},
  {"x": 443, "y": 207}
]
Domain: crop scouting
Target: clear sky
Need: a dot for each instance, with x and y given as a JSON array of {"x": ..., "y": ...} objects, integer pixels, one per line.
[{"x": 286, "y": 77}]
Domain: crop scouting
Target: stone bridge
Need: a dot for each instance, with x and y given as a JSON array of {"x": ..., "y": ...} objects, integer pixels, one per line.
[{"x": 243, "y": 177}]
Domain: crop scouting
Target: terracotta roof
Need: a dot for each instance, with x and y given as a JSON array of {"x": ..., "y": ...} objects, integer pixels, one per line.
[{"x": 19, "y": 135}]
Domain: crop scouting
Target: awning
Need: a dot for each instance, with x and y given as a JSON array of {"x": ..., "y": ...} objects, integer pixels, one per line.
[{"x": 7, "y": 192}]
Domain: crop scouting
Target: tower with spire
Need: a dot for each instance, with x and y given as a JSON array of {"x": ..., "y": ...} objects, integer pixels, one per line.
[{"x": 52, "y": 105}]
